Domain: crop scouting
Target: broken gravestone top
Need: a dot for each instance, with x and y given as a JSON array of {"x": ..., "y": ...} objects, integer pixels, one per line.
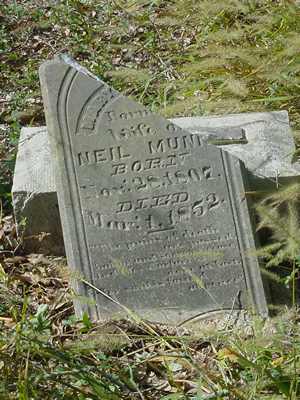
[
  {"x": 268, "y": 148},
  {"x": 154, "y": 219}
]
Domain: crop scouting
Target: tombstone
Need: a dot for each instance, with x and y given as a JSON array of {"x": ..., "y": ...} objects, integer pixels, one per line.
[
  {"x": 262, "y": 141},
  {"x": 155, "y": 220},
  {"x": 34, "y": 189}
]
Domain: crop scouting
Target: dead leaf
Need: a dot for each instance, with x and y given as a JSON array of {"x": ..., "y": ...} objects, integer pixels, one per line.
[
  {"x": 277, "y": 361},
  {"x": 180, "y": 361},
  {"x": 227, "y": 354},
  {"x": 15, "y": 260},
  {"x": 35, "y": 259},
  {"x": 25, "y": 278},
  {"x": 8, "y": 322}
]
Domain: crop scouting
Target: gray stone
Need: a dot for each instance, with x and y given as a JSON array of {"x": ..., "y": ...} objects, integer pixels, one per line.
[
  {"x": 268, "y": 150},
  {"x": 263, "y": 142},
  {"x": 34, "y": 190},
  {"x": 34, "y": 194},
  {"x": 154, "y": 219}
]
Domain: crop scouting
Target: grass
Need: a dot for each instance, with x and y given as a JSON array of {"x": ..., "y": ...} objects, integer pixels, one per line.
[
  {"x": 178, "y": 57},
  {"x": 46, "y": 351}
]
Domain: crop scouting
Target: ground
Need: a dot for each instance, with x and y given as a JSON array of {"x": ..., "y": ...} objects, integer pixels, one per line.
[{"x": 179, "y": 58}]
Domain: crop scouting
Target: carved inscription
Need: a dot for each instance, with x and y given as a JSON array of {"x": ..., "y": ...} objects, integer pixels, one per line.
[
  {"x": 95, "y": 104},
  {"x": 138, "y": 183},
  {"x": 113, "y": 115},
  {"x": 152, "y": 185},
  {"x": 174, "y": 143},
  {"x": 156, "y": 191},
  {"x": 101, "y": 155}
]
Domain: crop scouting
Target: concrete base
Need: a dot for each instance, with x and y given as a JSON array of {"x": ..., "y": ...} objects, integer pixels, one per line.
[
  {"x": 263, "y": 141},
  {"x": 34, "y": 194}
]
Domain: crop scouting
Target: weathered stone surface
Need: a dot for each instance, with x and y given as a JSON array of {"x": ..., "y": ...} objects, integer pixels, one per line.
[
  {"x": 34, "y": 190},
  {"x": 267, "y": 155},
  {"x": 34, "y": 194},
  {"x": 266, "y": 147},
  {"x": 269, "y": 144},
  {"x": 154, "y": 219}
]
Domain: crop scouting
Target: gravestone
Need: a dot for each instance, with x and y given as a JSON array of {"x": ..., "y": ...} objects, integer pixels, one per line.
[
  {"x": 34, "y": 189},
  {"x": 262, "y": 141},
  {"x": 155, "y": 220}
]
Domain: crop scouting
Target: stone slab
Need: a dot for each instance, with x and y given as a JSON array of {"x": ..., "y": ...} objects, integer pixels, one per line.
[
  {"x": 263, "y": 141},
  {"x": 34, "y": 190},
  {"x": 268, "y": 150},
  {"x": 154, "y": 219},
  {"x": 34, "y": 194},
  {"x": 269, "y": 146}
]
